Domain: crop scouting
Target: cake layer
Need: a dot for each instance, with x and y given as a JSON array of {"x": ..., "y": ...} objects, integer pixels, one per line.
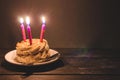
[{"x": 29, "y": 54}]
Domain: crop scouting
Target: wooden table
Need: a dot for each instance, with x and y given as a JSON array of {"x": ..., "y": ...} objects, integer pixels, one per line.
[{"x": 74, "y": 64}]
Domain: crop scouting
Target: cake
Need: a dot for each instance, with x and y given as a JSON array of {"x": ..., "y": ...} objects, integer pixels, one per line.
[{"x": 30, "y": 54}]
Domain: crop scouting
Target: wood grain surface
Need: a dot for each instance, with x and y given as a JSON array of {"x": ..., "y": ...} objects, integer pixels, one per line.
[{"x": 74, "y": 64}]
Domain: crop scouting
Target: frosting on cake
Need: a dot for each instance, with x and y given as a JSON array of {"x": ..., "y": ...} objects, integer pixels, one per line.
[{"x": 35, "y": 53}]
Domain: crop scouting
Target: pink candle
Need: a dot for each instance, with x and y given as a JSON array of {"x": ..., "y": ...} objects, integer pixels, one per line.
[
  {"x": 23, "y": 29},
  {"x": 29, "y": 30},
  {"x": 42, "y": 29}
]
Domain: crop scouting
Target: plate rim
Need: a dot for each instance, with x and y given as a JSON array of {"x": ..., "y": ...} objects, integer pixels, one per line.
[{"x": 34, "y": 64}]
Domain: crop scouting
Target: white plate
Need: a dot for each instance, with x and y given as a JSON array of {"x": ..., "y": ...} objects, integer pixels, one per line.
[{"x": 54, "y": 55}]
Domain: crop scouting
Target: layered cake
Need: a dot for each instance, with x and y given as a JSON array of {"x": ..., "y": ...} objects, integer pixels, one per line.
[{"x": 35, "y": 53}]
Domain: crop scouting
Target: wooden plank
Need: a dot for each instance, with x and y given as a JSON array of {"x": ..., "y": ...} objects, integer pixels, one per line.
[
  {"x": 92, "y": 62},
  {"x": 60, "y": 68},
  {"x": 70, "y": 63},
  {"x": 60, "y": 77}
]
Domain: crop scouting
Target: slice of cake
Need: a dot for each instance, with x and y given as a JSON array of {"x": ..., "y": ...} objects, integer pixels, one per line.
[{"x": 35, "y": 53}]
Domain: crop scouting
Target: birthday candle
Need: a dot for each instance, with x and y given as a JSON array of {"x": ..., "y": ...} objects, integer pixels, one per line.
[
  {"x": 42, "y": 29},
  {"x": 29, "y": 30},
  {"x": 22, "y": 29}
]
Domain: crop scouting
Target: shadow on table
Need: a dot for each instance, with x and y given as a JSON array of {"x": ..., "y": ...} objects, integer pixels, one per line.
[{"x": 28, "y": 70}]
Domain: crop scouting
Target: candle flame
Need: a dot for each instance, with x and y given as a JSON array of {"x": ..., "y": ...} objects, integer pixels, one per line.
[
  {"x": 43, "y": 19},
  {"x": 21, "y": 20},
  {"x": 27, "y": 20}
]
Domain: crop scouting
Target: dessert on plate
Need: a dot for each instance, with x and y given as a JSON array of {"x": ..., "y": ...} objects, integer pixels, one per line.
[{"x": 30, "y": 54}]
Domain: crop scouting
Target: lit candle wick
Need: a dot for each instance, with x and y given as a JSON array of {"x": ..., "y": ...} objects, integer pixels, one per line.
[
  {"x": 43, "y": 20},
  {"x": 27, "y": 20},
  {"x": 21, "y": 20}
]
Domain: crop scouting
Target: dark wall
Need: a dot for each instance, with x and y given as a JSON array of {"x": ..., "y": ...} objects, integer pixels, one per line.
[{"x": 70, "y": 23}]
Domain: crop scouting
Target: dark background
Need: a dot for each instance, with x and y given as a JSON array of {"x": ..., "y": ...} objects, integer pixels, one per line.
[{"x": 70, "y": 23}]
